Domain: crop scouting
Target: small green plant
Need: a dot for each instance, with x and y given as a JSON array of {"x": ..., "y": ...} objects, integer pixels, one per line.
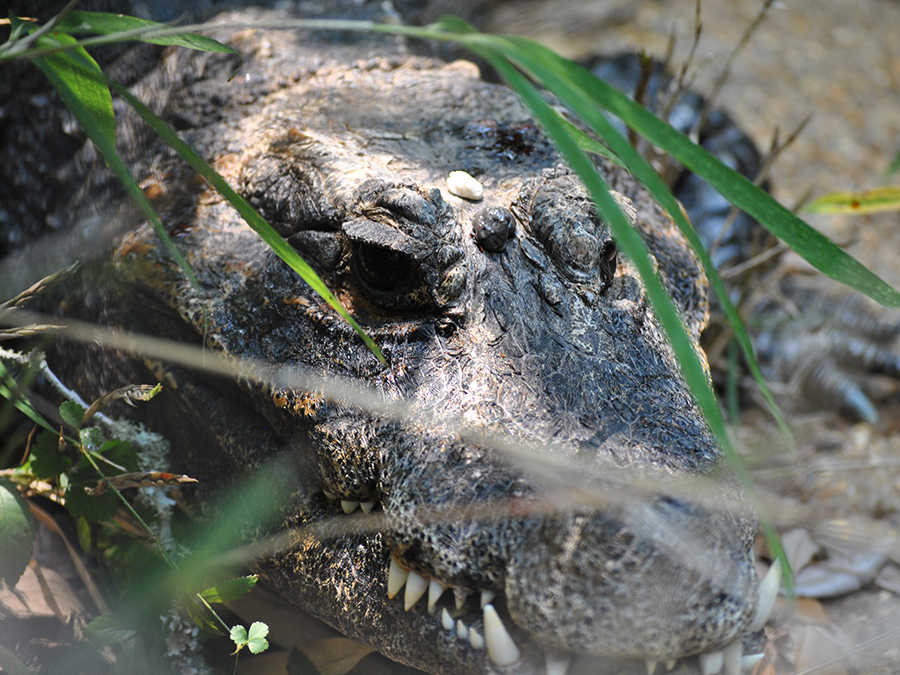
[{"x": 86, "y": 471}]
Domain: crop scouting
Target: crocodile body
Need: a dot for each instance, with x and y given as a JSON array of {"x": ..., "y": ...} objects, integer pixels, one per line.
[{"x": 541, "y": 337}]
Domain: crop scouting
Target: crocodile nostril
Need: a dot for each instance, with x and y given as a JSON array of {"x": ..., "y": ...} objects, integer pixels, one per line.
[{"x": 494, "y": 226}]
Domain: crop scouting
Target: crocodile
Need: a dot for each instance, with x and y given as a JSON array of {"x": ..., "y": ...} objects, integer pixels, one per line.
[{"x": 614, "y": 537}]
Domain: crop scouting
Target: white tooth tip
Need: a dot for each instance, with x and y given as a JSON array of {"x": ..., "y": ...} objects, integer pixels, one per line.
[
  {"x": 750, "y": 660},
  {"x": 733, "y": 654},
  {"x": 768, "y": 591},
  {"x": 396, "y": 577},
  {"x": 459, "y": 596},
  {"x": 447, "y": 620},
  {"x": 367, "y": 506},
  {"x": 711, "y": 664},
  {"x": 475, "y": 639},
  {"x": 500, "y": 646},
  {"x": 329, "y": 495},
  {"x": 486, "y": 598},
  {"x": 461, "y": 184},
  {"x": 651, "y": 667},
  {"x": 671, "y": 664},
  {"x": 348, "y": 506},
  {"x": 435, "y": 588},
  {"x": 416, "y": 585},
  {"x": 557, "y": 665},
  {"x": 462, "y": 631}
]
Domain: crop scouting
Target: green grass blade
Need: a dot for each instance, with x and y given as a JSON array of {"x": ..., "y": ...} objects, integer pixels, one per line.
[
  {"x": 865, "y": 201},
  {"x": 278, "y": 244},
  {"x": 83, "y": 87},
  {"x": 817, "y": 249},
  {"x": 103, "y": 23},
  {"x": 78, "y": 80},
  {"x": 641, "y": 169},
  {"x": 627, "y": 238}
]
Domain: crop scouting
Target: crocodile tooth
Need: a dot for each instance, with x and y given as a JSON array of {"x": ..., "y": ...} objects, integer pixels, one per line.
[
  {"x": 557, "y": 665},
  {"x": 416, "y": 585},
  {"x": 711, "y": 663},
  {"x": 749, "y": 661},
  {"x": 435, "y": 589},
  {"x": 500, "y": 646},
  {"x": 651, "y": 667},
  {"x": 348, "y": 506},
  {"x": 460, "y": 595},
  {"x": 733, "y": 654},
  {"x": 396, "y": 577},
  {"x": 329, "y": 495},
  {"x": 462, "y": 631},
  {"x": 367, "y": 506},
  {"x": 768, "y": 591},
  {"x": 475, "y": 639},
  {"x": 486, "y": 597},
  {"x": 446, "y": 619},
  {"x": 671, "y": 664}
]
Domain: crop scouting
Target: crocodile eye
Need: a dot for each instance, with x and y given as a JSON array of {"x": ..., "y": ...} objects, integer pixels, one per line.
[{"x": 380, "y": 270}]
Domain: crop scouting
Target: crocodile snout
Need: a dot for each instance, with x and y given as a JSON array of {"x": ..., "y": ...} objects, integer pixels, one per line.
[{"x": 674, "y": 580}]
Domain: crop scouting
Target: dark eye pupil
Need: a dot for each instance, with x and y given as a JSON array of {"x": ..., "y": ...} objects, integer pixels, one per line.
[{"x": 381, "y": 269}]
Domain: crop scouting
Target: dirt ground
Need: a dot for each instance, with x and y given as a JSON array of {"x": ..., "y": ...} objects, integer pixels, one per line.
[{"x": 837, "y": 501}]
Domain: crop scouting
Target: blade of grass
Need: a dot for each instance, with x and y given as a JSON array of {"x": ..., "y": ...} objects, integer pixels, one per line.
[
  {"x": 278, "y": 244},
  {"x": 816, "y": 248},
  {"x": 82, "y": 86},
  {"x": 866, "y": 201},
  {"x": 642, "y": 170},
  {"x": 104, "y": 23}
]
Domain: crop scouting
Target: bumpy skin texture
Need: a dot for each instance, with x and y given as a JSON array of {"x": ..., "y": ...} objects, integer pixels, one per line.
[{"x": 548, "y": 343}]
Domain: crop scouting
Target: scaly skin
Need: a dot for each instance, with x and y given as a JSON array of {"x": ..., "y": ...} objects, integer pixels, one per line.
[{"x": 547, "y": 342}]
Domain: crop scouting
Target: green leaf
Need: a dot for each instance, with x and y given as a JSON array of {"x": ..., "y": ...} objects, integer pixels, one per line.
[
  {"x": 9, "y": 390},
  {"x": 16, "y": 534},
  {"x": 202, "y": 616},
  {"x": 91, "y": 439},
  {"x": 588, "y": 144},
  {"x": 867, "y": 201},
  {"x": 230, "y": 590},
  {"x": 256, "y": 638},
  {"x": 72, "y": 413},
  {"x": 93, "y": 508},
  {"x": 103, "y": 23},
  {"x": 114, "y": 456},
  {"x": 239, "y": 635},
  {"x": 109, "y": 629},
  {"x": 46, "y": 459},
  {"x": 80, "y": 83}
]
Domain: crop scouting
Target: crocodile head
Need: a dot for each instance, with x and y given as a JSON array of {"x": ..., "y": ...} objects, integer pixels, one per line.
[{"x": 553, "y": 468}]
